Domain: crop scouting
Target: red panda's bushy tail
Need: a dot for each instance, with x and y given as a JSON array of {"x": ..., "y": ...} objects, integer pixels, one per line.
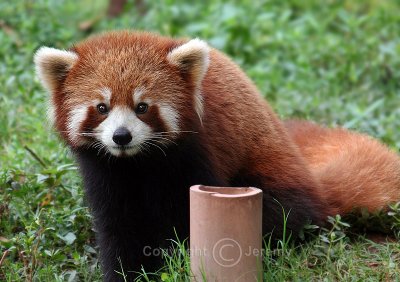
[{"x": 355, "y": 170}]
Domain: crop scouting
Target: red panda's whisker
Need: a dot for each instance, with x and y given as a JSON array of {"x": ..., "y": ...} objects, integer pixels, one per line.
[
  {"x": 176, "y": 131},
  {"x": 144, "y": 148},
  {"x": 88, "y": 134},
  {"x": 99, "y": 146},
  {"x": 148, "y": 142},
  {"x": 63, "y": 131},
  {"x": 164, "y": 138},
  {"x": 159, "y": 142}
]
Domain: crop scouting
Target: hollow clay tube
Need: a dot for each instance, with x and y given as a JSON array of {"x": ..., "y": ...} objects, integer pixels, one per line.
[{"x": 225, "y": 233}]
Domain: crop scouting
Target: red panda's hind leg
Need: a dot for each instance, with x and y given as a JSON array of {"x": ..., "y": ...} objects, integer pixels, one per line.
[{"x": 288, "y": 203}]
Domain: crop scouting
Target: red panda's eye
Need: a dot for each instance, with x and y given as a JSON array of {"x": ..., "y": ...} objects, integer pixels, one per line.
[
  {"x": 141, "y": 108},
  {"x": 102, "y": 108}
]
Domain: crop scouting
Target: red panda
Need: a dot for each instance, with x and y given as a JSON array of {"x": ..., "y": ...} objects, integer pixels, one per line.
[{"x": 148, "y": 116}]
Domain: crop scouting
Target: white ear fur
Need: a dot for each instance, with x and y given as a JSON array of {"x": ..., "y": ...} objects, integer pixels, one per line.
[
  {"x": 52, "y": 65},
  {"x": 192, "y": 58}
]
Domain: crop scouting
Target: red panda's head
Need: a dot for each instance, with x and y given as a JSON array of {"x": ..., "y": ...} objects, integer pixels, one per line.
[{"x": 124, "y": 91}]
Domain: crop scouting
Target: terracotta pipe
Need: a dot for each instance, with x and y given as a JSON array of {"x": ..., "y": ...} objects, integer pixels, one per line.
[{"x": 225, "y": 233}]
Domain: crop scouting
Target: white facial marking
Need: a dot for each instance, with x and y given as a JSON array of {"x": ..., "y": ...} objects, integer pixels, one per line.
[
  {"x": 138, "y": 95},
  {"x": 169, "y": 116},
  {"x": 106, "y": 93},
  {"x": 76, "y": 116},
  {"x": 123, "y": 117}
]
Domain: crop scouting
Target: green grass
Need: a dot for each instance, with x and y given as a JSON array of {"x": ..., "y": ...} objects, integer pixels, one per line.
[{"x": 335, "y": 62}]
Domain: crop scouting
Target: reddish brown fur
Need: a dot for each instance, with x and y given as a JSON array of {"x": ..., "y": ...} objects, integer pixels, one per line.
[
  {"x": 154, "y": 119},
  {"x": 94, "y": 120},
  {"x": 355, "y": 170},
  {"x": 257, "y": 141}
]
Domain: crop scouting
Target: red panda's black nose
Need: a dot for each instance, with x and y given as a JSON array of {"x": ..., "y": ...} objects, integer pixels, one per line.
[{"x": 122, "y": 136}]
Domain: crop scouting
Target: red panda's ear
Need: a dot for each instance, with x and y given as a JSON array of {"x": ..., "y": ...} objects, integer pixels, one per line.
[
  {"x": 52, "y": 66},
  {"x": 192, "y": 58}
]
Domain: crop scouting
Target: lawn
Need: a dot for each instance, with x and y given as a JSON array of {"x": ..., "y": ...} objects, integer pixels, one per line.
[{"x": 335, "y": 62}]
